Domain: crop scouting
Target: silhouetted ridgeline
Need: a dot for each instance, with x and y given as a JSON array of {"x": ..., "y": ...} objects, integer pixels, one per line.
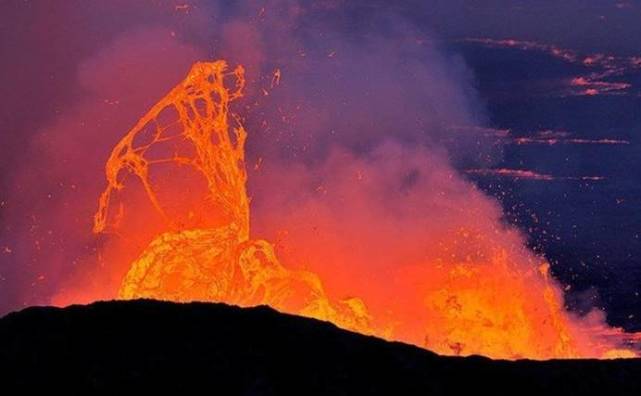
[{"x": 215, "y": 349}]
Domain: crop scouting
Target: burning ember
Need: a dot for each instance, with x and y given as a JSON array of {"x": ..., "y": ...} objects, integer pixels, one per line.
[{"x": 187, "y": 154}]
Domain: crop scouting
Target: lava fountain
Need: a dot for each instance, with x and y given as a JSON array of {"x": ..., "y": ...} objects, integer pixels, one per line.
[
  {"x": 187, "y": 154},
  {"x": 219, "y": 262}
]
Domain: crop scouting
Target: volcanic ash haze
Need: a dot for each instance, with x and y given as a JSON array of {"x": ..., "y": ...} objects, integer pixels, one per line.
[{"x": 357, "y": 209}]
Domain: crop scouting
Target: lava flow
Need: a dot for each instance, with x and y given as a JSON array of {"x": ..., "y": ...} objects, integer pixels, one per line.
[{"x": 202, "y": 249}]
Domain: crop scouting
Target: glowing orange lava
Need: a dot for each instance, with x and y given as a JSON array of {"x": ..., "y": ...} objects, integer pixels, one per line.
[
  {"x": 217, "y": 263},
  {"x": 204, "y": 250}
]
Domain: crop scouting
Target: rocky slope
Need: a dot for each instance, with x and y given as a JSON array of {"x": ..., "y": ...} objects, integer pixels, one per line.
[{"x": 201, "y": 348}]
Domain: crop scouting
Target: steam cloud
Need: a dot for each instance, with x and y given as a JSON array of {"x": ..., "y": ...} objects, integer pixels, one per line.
[
  {"x": 352, "y": 161},
  {"x": 347, "y": 83}
]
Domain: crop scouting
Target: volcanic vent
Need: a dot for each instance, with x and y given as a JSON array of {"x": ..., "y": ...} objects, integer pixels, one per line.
[
  {"x": 216, "y": 261},
  {"x": 188, "y": 156}
]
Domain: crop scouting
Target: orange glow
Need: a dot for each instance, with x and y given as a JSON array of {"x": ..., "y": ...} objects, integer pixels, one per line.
[
  {"x": 187, "y": 153},
  {"x": 214, "y": 259}
]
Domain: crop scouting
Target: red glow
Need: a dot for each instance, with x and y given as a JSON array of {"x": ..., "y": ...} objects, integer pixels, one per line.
[{"x": 439, "y": 272}]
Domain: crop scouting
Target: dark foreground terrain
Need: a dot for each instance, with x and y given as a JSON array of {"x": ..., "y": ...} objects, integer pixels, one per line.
[{"x": 215, "y": 349}]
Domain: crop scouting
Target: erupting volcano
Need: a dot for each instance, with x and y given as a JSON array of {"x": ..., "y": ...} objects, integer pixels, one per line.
[
  {"x": 216, "y": 261},
  {"x": 187, "y": 153}
]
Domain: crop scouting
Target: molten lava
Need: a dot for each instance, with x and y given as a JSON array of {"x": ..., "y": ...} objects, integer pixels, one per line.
[
  {"x": 203, "y": 250},
  {"x": 217, "y": 263}
]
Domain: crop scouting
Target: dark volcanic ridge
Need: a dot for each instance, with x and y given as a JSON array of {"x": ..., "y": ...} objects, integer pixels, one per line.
[{"x": 151, "y": 346}]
